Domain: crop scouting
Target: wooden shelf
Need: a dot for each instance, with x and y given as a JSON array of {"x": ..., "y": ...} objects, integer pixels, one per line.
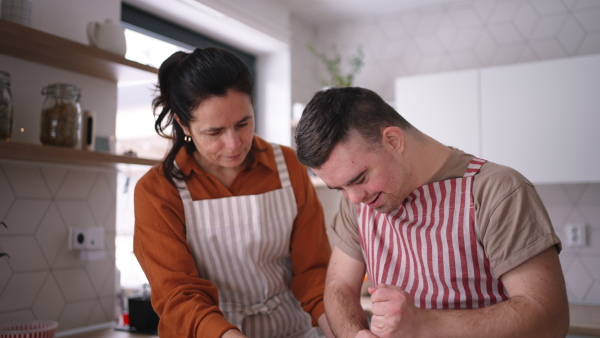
[
  {"x": 37, "y": 46},
  {"x": 59, "y": 155},
  {"x": 51, "y": 50}
]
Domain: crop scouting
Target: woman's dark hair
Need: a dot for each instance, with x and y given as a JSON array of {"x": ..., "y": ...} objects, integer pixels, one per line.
[
  {"x": 332, "y": 113},
  {"x": 185, "y": 80}
]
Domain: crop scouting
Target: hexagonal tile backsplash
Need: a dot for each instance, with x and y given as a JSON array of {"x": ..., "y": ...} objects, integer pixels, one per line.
[
  {"x": 43, "y": 279},
  {"x": 456, "y": 35},
  {"x": 577, "y": 203}
]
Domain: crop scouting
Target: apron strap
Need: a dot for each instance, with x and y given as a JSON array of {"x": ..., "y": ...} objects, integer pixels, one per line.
[
  {"x": 474, "y": 167},
  {"x": 265, "y": 308},
  {"x": 185, "y": 194},
  {"x": 284, "y": 175}
]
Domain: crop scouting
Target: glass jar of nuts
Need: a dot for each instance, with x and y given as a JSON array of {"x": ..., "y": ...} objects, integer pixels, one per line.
[{"x": 61, "y": 115}]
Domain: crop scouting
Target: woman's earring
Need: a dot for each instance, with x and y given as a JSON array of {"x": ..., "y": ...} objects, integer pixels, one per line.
[{"x": 187, "y": 138}]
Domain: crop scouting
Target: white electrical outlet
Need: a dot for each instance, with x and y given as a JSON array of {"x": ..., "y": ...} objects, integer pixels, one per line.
[
  {"x": 576, "y": 235},
  {"x": 86, "y": 238}
]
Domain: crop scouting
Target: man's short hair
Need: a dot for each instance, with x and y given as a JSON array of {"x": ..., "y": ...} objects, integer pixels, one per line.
[{"x": 333, "y": 113}]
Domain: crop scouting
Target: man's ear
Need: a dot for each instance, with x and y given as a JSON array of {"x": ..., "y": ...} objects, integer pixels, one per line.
[{"x": 393, "y": 137}]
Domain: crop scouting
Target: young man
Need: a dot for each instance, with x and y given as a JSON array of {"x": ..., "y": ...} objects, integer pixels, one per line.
[{"x": 454, "y": 246}]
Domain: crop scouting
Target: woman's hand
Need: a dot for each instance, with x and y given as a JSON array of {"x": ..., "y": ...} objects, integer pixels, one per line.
[
  {"x": 232, "y": 334},
  {"x": 365, "y": 334}
]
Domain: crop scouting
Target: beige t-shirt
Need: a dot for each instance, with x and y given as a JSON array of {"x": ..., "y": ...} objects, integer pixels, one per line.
[{"x": 513, "y": 224}]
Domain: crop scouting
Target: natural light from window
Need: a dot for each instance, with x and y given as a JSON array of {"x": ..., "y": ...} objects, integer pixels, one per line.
[
  {"x": 135, "y": 132},
  {"x": 149, "y": 50}
]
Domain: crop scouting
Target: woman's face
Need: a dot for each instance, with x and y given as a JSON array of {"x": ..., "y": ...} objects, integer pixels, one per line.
[{"x": 222, "y": 129}]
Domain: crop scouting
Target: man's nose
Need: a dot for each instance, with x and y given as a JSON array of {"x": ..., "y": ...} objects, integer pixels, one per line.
[{"x": 354, "y": 194}]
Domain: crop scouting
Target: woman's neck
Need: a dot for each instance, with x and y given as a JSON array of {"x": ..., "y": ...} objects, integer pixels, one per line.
[{"x": 223, "y": 174}]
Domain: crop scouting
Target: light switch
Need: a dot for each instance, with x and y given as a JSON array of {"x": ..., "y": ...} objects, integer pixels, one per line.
[{"x": 576, "y": 235}]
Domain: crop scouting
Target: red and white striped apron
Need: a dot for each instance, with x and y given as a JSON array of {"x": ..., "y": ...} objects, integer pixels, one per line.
[
  {"x": 429, "y": 247},
  {"x": 242, "y": 245}
]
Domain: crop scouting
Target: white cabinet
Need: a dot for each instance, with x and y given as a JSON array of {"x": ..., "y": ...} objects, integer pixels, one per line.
[
  {"x": 540, "y": 118},
  {"x": 444, "y": 106},
  {"x": 543, "y": 118}
]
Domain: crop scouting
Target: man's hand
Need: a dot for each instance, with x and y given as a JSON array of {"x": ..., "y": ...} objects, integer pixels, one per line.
[{"x": 394, "y": 312}]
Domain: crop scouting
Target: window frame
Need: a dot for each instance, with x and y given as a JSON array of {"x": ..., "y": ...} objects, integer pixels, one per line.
[{"x": 143, "y": 22}]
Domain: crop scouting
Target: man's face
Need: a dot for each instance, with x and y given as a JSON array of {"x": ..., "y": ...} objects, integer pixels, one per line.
[{"x": 372, "y": 174}]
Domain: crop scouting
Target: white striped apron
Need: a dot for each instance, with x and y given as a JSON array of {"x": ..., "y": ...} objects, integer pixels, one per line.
[
  {"x": 429, "y": 247},
  {"x": 242, "y": 245}
]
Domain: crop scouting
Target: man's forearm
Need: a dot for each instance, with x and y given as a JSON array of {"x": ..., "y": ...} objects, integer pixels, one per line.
[
  {"x": 537, "y": 307},
  {"x": 516, "y": 317},
  {"x": 394, "y": 315},
  {"x": 344, "y": 312}
]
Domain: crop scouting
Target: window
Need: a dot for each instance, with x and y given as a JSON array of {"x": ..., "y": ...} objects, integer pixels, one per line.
[{"x": 148, "y": 24}]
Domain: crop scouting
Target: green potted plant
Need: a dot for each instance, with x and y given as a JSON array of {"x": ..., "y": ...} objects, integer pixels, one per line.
[{"x": 333, "y": 65}]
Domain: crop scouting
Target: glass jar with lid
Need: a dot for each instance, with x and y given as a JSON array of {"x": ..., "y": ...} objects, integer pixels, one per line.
[
  {"x": 6, "y": 107},
  {"x": 61, "y": 115}
]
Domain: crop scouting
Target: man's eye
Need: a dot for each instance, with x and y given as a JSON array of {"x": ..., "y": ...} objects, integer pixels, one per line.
[
  {"x": 242, "y": 125},
  {"x": 361, "y": 180}
]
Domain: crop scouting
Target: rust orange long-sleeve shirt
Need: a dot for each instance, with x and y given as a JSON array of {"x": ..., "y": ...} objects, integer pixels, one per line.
[{"x": 188, "y": 305}]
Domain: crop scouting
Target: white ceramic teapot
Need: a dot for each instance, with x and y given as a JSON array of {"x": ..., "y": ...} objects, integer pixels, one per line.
[{"x": 108, "y": 36}]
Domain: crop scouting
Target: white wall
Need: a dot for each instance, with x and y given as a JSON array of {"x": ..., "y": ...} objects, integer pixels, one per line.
[
  {"x": 273, "y": 99},
  {"x": 267, "y": 17},
  {"x": 69, "y": 18},
  {"x": 304, "y": 83}
]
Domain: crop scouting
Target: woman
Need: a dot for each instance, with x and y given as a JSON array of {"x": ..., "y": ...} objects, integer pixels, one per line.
[{"x": 229, "y": 229}]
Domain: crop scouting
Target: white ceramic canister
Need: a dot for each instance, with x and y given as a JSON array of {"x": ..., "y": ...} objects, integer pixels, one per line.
[{"x": 108, "y": 36}]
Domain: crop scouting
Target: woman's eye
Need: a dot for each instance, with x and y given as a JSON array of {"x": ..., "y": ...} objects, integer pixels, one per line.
[{"x": 361, "y": 181}]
